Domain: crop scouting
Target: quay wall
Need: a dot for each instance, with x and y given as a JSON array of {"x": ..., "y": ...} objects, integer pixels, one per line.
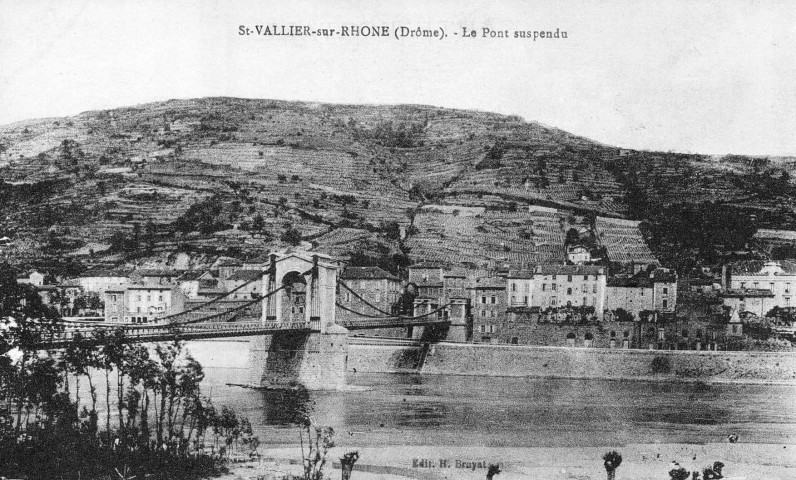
[{"x": 576, "y": 362}]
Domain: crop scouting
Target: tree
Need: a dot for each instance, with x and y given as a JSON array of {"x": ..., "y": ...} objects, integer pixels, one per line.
[
  {"x": 291, "y": 236},
  {"x": 679, "y": 474},
  {"x": 611, "y": 461},
  {"x": 258, "y": 224},
  {"x": 572, "y": 236}
]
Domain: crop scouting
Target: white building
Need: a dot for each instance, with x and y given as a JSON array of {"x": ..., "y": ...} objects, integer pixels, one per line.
[
  {"x": 569, "y": 286},
  {"x": 141, "y": 304},
  {"x": 759, "y": 292}
]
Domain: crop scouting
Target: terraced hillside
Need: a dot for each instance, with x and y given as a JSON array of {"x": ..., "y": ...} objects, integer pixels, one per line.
[{"x": 243, "y": 177}]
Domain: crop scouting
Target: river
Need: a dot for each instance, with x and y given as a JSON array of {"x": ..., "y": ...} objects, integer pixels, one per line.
[{"x": 410, "y": 409}]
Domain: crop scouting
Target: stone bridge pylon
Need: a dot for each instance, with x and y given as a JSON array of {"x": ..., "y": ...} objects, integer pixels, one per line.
[{"x": 313, "y": 352}]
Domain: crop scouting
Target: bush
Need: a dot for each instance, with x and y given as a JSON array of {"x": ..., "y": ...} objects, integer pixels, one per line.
[{"x": 661, "y": 365}]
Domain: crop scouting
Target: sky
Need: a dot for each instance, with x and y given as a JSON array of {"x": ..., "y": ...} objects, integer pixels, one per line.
[{"x": 710, "y": 77}]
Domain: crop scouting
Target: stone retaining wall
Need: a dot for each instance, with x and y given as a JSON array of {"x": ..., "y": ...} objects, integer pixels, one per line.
[{"x": 578, "y": 362}]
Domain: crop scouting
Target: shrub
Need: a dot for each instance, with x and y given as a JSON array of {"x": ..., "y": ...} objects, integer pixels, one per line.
[{"x": 661, "y": 365}]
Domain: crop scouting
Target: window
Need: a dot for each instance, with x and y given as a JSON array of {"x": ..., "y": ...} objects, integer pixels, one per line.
[
  {"x": 138, "y": 297},
  {"x": 525, "y": 299},
  {"x": 584, "y": 288},
  {"x": 553, "y": 287},
  {"x": 787, "y": 301},
  {"x": 626, "y": 334},
  {"x": 483, "y": 299},
  {"x": 513, "y": 287},
  {"x": 594, "y": 288},
  {"x": 756, "y": 285},
  {"x": 665, "y": 290},
  {"x": 661, "y": 333},
  {"x": 113, "y": 298},
  {"x": 482, "y": 328},
  {"x": 699, "y": 333},
  {"x": 613, "y": 334},
  {"x": 585, "y": 277},
  {"x": 114, "y": 319},
  {"x": 554, "y": 277},
  {"x": 491, "y": 313},
  {"x": 160, "y": 297},
  {"x": 544, "y": 287},
  {"x": 491, "y": 329},
  {"x": 787, "y": 288},
  {"x": 771, "y": 286},
  {"x": 584, "y": 301},
  {"x": 492, "y": 300},
  {"x": 665, "y": 304},
  {"x": 553, "y": 301},
  {"x": 483, "y": 313},
  {"x": 347, "y": 296},
  {"x": 685, "y": 333},
  {"x": 515, "y": 340},
  {"x": 569, "y": 291},
  {"x": 569, "y": 278},
  {"x": 513, "y": 299}
]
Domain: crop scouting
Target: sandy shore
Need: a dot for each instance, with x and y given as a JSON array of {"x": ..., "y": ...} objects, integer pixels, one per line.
[{"x": 640, "y": 462}]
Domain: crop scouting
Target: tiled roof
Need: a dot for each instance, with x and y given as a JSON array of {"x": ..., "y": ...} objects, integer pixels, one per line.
[
  {"x": 520, "y": 274},
  {"x": 245, "y": 275},
  {"x": 159, "y": 273},
  {"x": 747, "y": 292},
  {"x": 192, "y": 275},
  {"x": 367, "y": 273},
  {"x": 570, "y": 270}
]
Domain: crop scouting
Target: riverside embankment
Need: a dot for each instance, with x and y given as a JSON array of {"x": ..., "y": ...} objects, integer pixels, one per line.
[{"x": 386, "y": 356}]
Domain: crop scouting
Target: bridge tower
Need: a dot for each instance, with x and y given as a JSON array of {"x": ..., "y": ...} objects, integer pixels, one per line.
[{"x": 311, "y": 350}]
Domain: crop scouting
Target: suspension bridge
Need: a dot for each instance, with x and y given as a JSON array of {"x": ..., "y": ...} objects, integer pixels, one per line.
[{"x": 296, "y": 321}]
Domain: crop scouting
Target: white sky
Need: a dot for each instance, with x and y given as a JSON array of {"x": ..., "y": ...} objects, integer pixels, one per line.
[{"x": 704, "y": 77}]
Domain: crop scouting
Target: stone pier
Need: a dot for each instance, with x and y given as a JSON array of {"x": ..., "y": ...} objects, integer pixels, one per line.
[{"x": 317, "y": 361}]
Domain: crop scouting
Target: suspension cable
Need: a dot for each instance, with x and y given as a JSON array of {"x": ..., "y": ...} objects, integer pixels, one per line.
[
  {"x": 360, "y": 297},
  {"x": 396, "y": 317}
]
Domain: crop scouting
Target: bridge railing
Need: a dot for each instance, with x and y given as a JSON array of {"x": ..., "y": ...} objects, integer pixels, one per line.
[{"x": 144, "y": 332}]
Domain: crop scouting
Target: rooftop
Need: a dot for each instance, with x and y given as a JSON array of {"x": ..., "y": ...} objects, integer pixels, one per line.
[
  {"x": 245, "y": 275},
  {"x": 569, "y": 270},
  {"x": 367, "y": 273}
]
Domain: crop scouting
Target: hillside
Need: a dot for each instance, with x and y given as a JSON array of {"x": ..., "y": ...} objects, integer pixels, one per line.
[{"x": 394, "y": 184}]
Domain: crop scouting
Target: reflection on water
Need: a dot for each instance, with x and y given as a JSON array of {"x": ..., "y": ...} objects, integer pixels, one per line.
[{"x": 410, "y": 409}]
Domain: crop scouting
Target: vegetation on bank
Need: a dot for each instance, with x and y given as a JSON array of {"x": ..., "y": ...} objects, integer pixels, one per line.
[{"x": 152, "y": 420}]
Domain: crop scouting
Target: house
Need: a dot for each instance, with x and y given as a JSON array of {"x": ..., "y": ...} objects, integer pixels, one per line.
[
  {"x": 227, "y": 266},
  {"x": 653, "y": 292},
  {"x": 247, "y": 284},
  {"x": 31, "y": 278},
  {"x": 519, "y": 285},
  {"x": 556, "y": 286},
  {"x": 758, "y": 292},
  {"x": 192, "y": 281},
  {"x": 165, "y": 277},
  {"x": 369, "y": 291},
  {"x": 578, "y": 254},
  {"x": 101, "y": 280},
  {"x": 488, "y": 309},
  {"x": 141, "y": 304}
]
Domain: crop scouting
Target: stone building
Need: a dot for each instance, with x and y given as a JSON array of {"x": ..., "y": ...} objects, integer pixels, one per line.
[
  {"x": 249, "y": 284},
  {"x": 557, "y": 286},
  {"x": 654, "y": 292},
  {"x": 101, "y": 280},
  {"x": 758, "y": 292},
  {"x": 519, "y": 284},
  {"x": 375, "y": 286},
  {"x": 489, "y": 310},
  {"x": 140, "y": 304}
]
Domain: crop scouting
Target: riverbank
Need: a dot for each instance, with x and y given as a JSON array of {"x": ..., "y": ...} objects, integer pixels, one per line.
[
  {"x": 379, "y": 356},
  {"x": 640, "y": 462}
]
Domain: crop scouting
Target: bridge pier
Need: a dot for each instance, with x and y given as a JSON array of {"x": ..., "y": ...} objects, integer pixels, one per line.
[{"x": 315, "y": 360}]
